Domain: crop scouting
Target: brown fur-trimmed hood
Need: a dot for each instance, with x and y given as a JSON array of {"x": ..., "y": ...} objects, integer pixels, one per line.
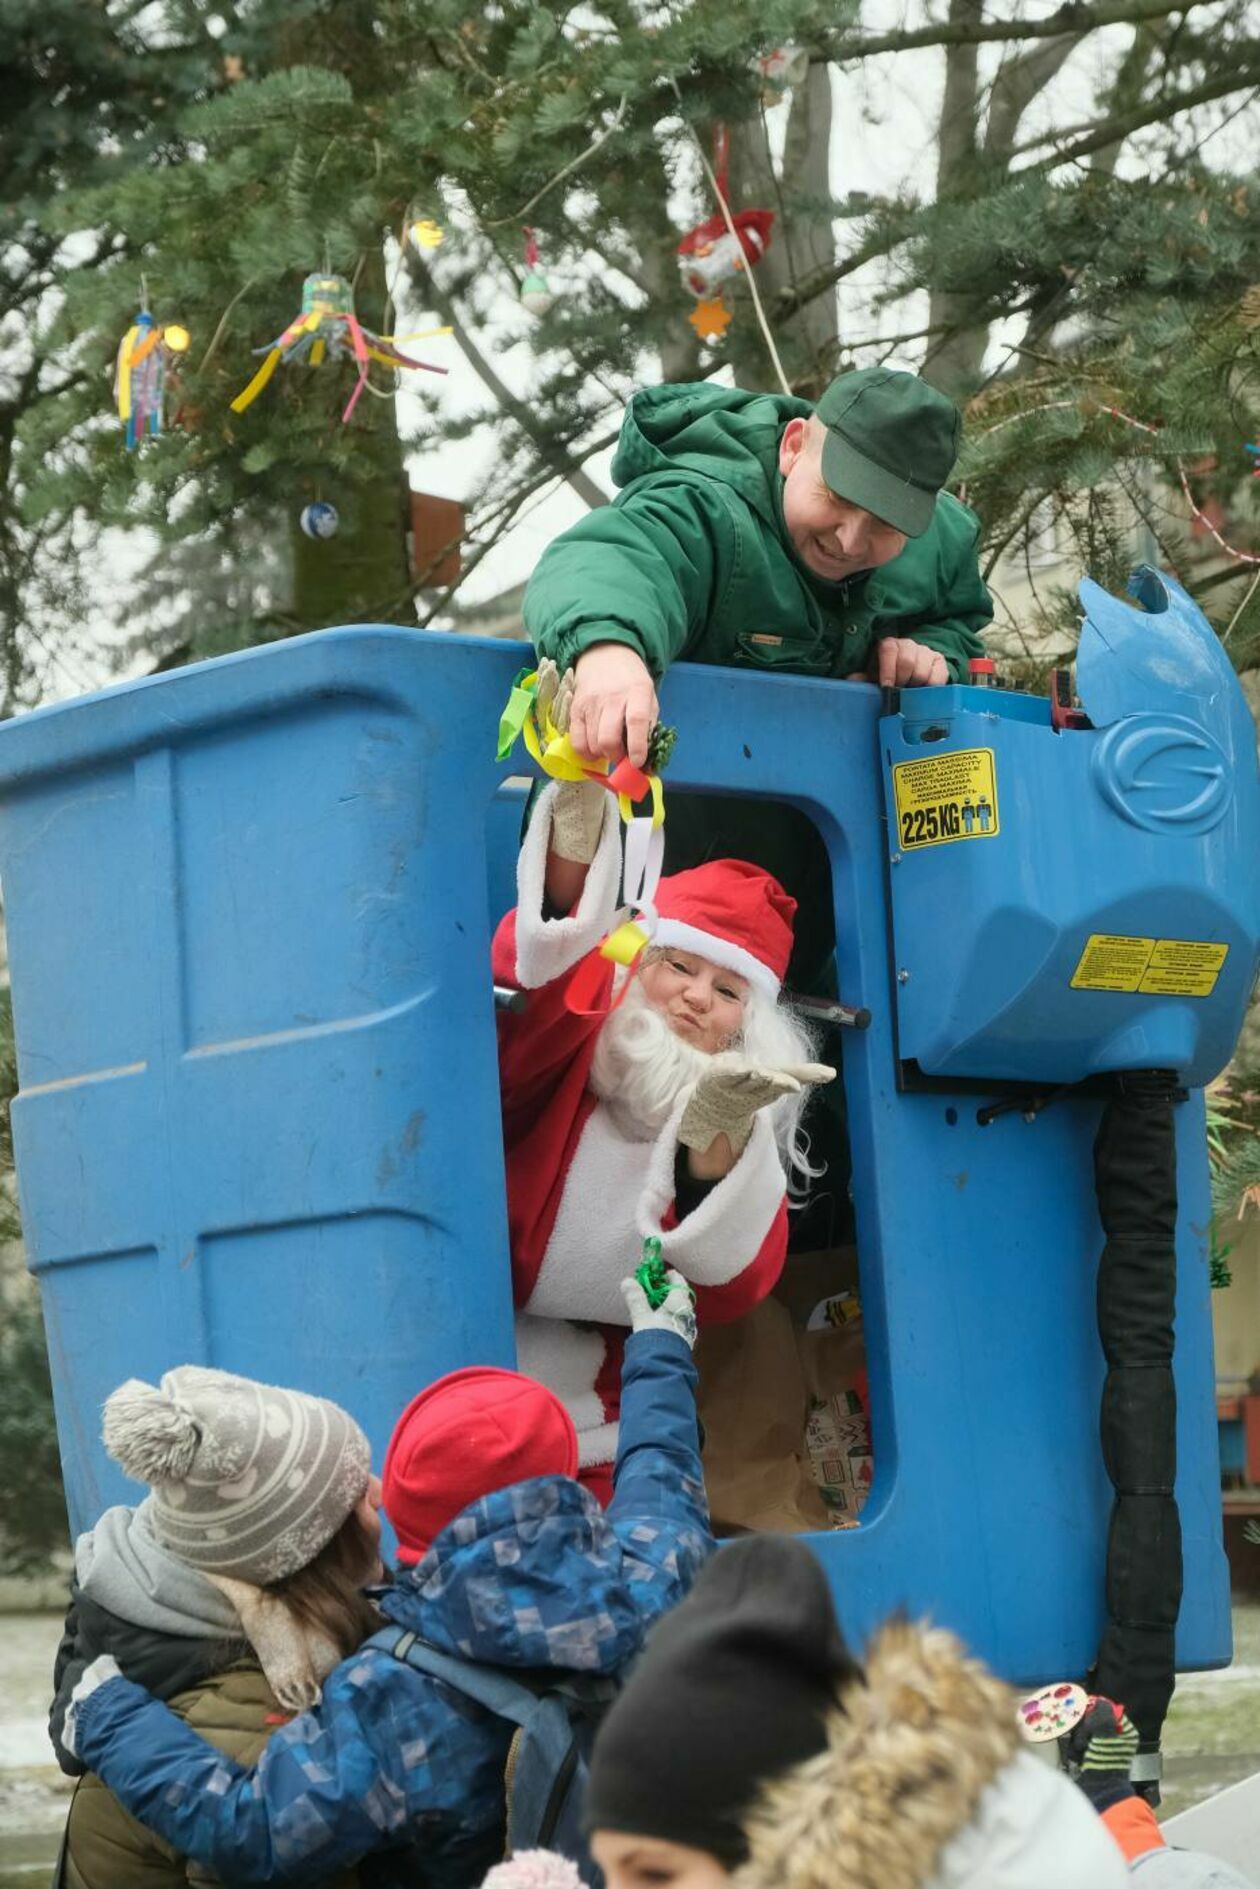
[{"x": 925, "y": 1784}]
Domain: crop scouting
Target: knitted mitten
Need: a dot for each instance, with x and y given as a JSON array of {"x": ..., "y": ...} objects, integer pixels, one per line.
[
  {"x": 730, "y": 1092},
  {"x": 1100, "y": 1751},
  {"x": 577, "y": 812}
]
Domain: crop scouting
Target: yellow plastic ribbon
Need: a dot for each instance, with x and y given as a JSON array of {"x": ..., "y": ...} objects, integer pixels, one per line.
[
  {"x": 126, "y": 355},
  {"x": 249, "y": 394},
  {"x": 554, "y": 753},
  {"x": 417, "y": 334},
  {"x": 301, "y": 326}
]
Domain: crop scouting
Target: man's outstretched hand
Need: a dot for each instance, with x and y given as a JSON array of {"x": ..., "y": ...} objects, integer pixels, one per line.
[
  {"x": 901, "y": 663},
  {"x": 614, "y": 704}
]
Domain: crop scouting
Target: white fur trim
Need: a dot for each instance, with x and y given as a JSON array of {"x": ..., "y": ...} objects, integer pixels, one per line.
[
  {"x": 568, "y": 1361},
  {"x": 546, "y": 949},
  {"x": 598, "y": 1446},
  {"x": 594, "y": 1242},
  {"x": 724, "y": 1234},
  {"x": 615, "y": 1194},
  {"x": 706, "y": 944}
]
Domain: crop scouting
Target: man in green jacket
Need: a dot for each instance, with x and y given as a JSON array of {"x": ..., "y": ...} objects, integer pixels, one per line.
[
  {"x": 757, "y": 531},
  {"x": 754, "y": 530}
]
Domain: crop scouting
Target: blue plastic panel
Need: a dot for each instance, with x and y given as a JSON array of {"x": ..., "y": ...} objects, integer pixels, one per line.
[
  {"x": 1129, "y": 834},
  {"x": 258, "y": 1126}
]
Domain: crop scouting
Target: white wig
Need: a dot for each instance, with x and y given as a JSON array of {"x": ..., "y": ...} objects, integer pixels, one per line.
[{"x": 640, "y": 1066}]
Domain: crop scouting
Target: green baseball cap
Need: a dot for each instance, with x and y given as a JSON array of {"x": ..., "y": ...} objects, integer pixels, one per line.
[{"x": 891, "y": 444}]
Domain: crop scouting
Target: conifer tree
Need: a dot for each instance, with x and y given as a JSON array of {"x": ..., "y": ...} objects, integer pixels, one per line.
[{"x": 306, "y": 137}]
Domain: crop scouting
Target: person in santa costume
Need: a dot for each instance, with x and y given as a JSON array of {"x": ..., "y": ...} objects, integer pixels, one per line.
[{"x": 662, "y": 1102}]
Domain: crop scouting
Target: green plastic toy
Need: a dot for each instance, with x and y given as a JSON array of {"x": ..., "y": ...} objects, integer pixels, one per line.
[{"x": 651, "y": 1274}]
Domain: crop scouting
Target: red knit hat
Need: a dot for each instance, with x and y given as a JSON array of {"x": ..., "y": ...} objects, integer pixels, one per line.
[
  {"x": 469, "y": 1434},
  {"x": 732, "y": 913}
]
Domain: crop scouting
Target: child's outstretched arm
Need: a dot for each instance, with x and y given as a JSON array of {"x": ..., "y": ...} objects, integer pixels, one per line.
[{"x": 659, "y": 1510}]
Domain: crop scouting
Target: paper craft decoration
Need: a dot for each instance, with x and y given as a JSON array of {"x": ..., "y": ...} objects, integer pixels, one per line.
[{"x": 1052, "y": 1712}]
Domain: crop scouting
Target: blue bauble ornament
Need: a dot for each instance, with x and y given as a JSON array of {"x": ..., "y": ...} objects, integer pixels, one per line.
[{"x": 320, "y": 520}]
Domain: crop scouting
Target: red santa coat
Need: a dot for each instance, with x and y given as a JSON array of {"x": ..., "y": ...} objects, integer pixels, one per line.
[{"x": 583, "y": 1190}]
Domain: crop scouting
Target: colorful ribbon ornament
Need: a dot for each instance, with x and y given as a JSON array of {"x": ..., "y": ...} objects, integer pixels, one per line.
[
  {"x": 328, "y": 325},
  {"x": 140, "y": 375},
  {"x": 645, "y": 833}
]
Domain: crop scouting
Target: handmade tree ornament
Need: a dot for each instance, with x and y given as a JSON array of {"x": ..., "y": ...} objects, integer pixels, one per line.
[
  {"x": 710, "y": 255},
  {"x": 781, "y": 70},
  {"x": 320, "y": 519},
  {"x": 328, "y": 328},
  {"x": 537, "y": 294},
  {"x": 711, "y": 319},
  {"x": 528, "y": 715},
  {"x": 1052, "y": 1712},
  {"x": 140, "y": 374}
]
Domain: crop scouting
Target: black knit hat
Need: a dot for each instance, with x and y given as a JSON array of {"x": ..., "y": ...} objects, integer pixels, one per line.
[{"x": 733, "y": 1688}]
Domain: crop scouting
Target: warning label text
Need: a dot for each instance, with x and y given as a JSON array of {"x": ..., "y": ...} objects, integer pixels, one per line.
[
  {"x": 1154, "y": 967},
  {"x": 946, "y": 797}
]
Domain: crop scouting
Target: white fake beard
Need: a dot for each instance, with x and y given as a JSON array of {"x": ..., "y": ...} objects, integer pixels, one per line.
[{"x": 641, "y": 1066}]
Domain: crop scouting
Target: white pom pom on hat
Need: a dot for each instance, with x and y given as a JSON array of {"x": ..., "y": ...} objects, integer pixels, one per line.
[
  {"x": 247, "y": 1480},
  {"x": 150, "y": 1435},
  {"x": 534, "y": 1869}
]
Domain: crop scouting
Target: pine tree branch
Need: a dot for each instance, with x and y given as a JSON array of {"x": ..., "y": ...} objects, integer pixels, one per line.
[
  {"x": 824, "y": 279},
  {"x": 1155, "y": 111},
  {"x": 1074, "y": 17},
  {"x": 504, "y": 515},
  {"x": 587, "y": 489}
]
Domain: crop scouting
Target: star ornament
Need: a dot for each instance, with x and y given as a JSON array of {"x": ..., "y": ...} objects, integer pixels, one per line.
[{"x": 710, "y": 319}]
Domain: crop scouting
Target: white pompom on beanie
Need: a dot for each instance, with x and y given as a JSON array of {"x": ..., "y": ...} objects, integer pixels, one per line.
[{"x": 248, "y": 1480}]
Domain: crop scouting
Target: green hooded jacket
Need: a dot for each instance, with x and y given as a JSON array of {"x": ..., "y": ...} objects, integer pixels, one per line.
[{"x": 692, "y": 558}]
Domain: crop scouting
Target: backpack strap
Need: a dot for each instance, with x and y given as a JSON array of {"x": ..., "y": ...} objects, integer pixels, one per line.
[{"x": 487, "y": 1685}]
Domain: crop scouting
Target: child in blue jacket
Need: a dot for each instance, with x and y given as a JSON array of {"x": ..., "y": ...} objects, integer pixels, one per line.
[{"x": 504, "y": 1559}]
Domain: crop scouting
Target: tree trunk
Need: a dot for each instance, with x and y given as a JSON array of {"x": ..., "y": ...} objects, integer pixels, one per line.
[
  {"x": 953, "y": 363},
  {"x": 356, "y": 575},
  {"x": 656, "y": 240},
  {"x": 802, "y": 240},
  {"x": 589, "y": 490}
]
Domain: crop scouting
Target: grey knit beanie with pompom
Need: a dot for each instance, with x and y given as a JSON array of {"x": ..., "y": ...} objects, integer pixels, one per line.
[{"x": 248, "y": 1480}]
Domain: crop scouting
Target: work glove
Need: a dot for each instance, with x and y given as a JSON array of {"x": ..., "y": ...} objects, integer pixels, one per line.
[
  {"x": 1100, "y": 1751},
  {"x": 96, "y": 1673},
  {"x": 577, "y": 812},
  {"x": 730, "y": 1092},
  {"x": 676, "y": 1312}
]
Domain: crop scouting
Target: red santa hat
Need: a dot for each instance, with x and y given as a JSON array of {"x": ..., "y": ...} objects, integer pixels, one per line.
[
  {"x": 469, "y": 1434},
  {"x": 732, "y": 913}
]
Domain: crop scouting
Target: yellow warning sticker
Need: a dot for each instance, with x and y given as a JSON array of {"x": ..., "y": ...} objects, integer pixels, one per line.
[
  {"x": 1182, "y": 967},
  {"x": 946, "y": 797},
  {"x": 1154, "y": 967},
  {"x": 1111, "y": 963}
]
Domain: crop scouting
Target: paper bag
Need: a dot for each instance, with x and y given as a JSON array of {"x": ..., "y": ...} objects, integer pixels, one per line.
[{"x": 753, "y": 1407}]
